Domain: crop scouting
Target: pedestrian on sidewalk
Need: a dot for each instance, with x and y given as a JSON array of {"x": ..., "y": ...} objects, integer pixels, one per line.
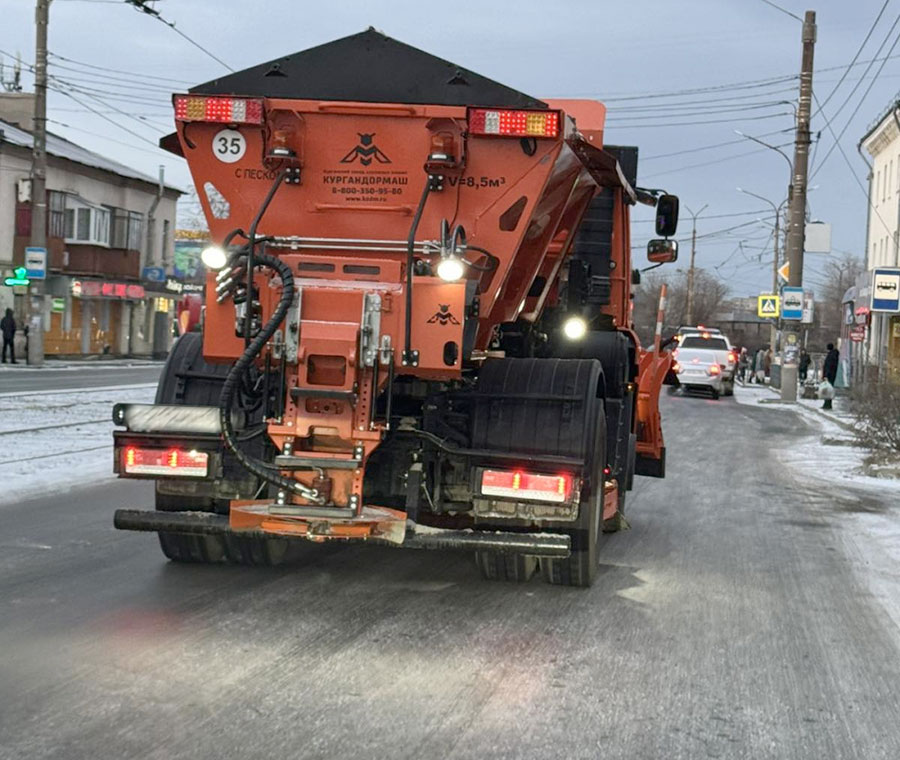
[
  {"x": 8, "y": 328},
  {"x": 804, "y": 365},
  {"x": 743, "y": 363},
  {"x": 759, "y": 366},
  {"x": 830, "y": 370}
]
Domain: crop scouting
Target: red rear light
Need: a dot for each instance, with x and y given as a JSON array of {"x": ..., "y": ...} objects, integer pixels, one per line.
[
  {"x": 526, "y": 485},
  {"x": 715, "y": 369},
  {"x": 169, "y": 462},
  {"x": 506, "y": 123},
  {"x": 223, "y": 110}
]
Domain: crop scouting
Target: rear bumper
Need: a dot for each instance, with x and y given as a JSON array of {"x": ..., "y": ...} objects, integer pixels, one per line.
[
  {"x": 714, "y": 382},
  {"x": 207, "y": 523}
]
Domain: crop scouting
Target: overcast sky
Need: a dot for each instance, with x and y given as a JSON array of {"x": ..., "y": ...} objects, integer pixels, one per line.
[{"x": 602, "y": 49}]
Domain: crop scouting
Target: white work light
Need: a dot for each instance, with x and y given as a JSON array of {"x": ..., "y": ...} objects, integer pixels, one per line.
[
  {"x": 450, "y": 269},
  {"x": 575, "y": 328},
  {"x": 213, "y": 257}
]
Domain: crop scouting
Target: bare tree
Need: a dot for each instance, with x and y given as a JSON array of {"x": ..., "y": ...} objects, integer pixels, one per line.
[
  {"x": 709, "y": 295},
  {"x": 839, "y": 275}
]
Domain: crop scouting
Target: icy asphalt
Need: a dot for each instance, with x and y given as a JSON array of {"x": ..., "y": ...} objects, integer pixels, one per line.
[
  {"x": 734, "y": 620},
  {"x": 56, "y": 375}
]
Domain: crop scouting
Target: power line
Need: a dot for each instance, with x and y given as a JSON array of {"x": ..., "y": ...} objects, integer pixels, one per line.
[
  {"x": 118, "y": 71},
  {"x": 707, "y": 121},
  {"x": 779, "y": 8},
  {"x": 710, "y": 147},
  {"x": 105, "y": 118},
  {"x": 858, "y": 105},
  {"x": 713, "y": 162},
  {"x": 141, "y": 5},
  {"x": 855, "y": 57}
]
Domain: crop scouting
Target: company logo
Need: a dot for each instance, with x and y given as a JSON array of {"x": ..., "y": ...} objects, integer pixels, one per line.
[
  {"x": 443, "y": 316},
  {"x": 365, "y": 151}
]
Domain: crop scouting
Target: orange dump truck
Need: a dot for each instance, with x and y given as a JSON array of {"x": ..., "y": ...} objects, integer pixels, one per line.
[{"x": 417, "y": 327}]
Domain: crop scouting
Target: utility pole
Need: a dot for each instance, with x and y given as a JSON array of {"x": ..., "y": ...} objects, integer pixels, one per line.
[
  {"x": 796, "y": 236},
  {"x": 690, "y": 283},
  {"x": 39, "y": 181}
]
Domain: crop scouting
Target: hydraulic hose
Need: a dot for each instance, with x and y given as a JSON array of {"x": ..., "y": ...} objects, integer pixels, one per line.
[
  {"x": 258, "y": 467},
  {"x": 248, "y": 321},
  {"x": 410, "y": 264}
]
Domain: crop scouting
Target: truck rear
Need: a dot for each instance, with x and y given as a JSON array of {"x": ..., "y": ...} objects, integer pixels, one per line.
[{"x": 411, "y": 336}]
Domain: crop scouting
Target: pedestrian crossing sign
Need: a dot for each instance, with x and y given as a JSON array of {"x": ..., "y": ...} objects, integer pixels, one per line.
[{"x": 768, "y": 306}]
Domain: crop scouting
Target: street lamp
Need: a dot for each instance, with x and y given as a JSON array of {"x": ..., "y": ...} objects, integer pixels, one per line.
[
  {"x": 690, "y": 288},
  {"x": 777, "y": 209}
]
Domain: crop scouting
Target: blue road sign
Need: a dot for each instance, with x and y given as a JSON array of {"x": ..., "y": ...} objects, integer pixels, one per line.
[
  {"x": 36, "y": 263},
  {"x": 886, "y": 290},
  {"x": 792, "y": 303},
  {"x": 153, "y": 274}
]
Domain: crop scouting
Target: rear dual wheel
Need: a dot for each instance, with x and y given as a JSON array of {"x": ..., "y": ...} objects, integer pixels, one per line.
[
  {"x": 187, "y": 379},
  {"x": 530, "y": 407}
]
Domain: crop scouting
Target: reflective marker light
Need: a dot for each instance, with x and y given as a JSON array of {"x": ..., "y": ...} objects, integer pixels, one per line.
[
  {"x": 223, "y": 110},
  {"x": 450, "y": 269},
  {"x": 575, "y": 328},
  {"x": 507, "y": 123},
  {"x": 526, "y": 485},
  {"x": 213, "y": 257},
  {"x": 169, "y": 462}
]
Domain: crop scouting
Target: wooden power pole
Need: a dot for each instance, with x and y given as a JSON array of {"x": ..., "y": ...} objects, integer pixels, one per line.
[
  {"x": 796, "y": 232},
  {"x": 39, "y": 181}
]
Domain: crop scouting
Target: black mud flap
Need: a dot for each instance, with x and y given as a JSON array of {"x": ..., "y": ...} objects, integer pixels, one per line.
[{"x": 651, "y": 468}]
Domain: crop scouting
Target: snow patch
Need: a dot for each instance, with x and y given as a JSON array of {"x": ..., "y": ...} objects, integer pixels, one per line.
[{"x": 57, "y": 440}]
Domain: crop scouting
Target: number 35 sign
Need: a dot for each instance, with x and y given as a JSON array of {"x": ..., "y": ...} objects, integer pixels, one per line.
[{"x": 229, "y": 146}]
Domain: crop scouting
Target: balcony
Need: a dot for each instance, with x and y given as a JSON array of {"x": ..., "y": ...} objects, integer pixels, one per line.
[{"x": 85, "y": 260}]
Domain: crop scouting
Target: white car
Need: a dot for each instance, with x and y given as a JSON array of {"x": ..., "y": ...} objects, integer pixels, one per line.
[{"x": 705, "y": 361}]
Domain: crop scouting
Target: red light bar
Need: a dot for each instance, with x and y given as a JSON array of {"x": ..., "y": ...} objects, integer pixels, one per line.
[
  {"x": 222, "y": 110},
  {"x": 168, "y": 462},
  {"x": 527, "y": 486},
  {"x": 506, "y": 123}
]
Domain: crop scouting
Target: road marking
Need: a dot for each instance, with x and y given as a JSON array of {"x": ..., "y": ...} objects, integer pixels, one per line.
[{"x": 12, "y": 394}]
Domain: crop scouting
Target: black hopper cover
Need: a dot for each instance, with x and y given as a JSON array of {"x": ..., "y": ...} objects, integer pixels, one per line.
[{"x": 368, "y": 67}]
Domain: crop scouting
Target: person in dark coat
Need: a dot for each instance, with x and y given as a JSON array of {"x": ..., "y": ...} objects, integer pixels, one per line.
[
  {"x": 8, "y": 328},
  {"x": 830, "y": 370},
  {"x": 804, "y": 364}
]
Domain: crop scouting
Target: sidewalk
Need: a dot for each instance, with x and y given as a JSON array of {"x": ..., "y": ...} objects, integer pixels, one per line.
[{"x": 88, "y": 362}]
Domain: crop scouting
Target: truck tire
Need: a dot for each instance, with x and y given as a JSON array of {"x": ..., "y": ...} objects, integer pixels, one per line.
[
  {"x": 496, "y": 566},
  {"x": 580, "y": 567},
  {"x": 188, "y": 379}
]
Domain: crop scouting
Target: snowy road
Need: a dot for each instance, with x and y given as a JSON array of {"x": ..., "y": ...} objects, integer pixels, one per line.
[{"x": 741, "y": 617}]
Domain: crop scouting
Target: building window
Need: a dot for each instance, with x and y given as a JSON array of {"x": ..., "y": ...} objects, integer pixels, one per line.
[
  {"x": 85, "y": 223},
  {"x": 126, "y": 229},
  {"x": 165, "y": 241},
  {"x": 56, "y": 214}
]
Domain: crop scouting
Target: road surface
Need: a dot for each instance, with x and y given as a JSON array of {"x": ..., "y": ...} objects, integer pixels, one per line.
[
  {"x": 50, "y": 378},
  {"x": 727, "y": 623}
]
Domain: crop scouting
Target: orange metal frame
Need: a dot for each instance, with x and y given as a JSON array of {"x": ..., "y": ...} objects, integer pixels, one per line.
[{"x": 342, "y": 229}]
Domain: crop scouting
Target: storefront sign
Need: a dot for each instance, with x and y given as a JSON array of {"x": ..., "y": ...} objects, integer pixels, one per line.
[
  {"x": 858, "y": 333},
  {"x": 177, "y": 286},
  {"x": 100, "y": 289},
  {"x": 59, "y": 305}
]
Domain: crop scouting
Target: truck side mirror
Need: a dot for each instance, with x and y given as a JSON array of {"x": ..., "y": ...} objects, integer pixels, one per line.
[
  {"x": 662, "y": 251},
  {"x": 666, "y": 215}
]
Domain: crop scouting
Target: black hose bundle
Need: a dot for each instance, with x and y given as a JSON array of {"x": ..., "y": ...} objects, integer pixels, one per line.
[{"x": 261, "y": 469}]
